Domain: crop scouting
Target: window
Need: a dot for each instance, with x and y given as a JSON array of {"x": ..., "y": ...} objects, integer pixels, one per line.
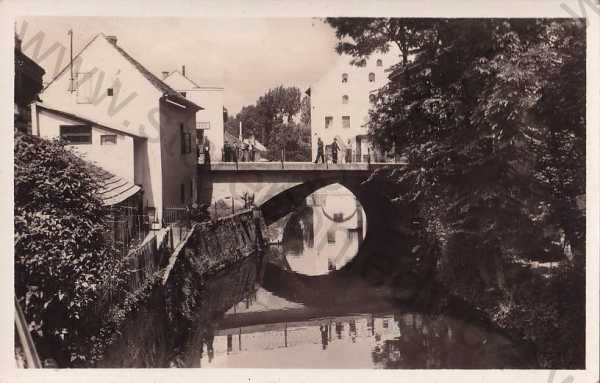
[
  {"x": 345, "y": 99},
  {"x": 328, "y": 122},
  {"x": 379, "y": 62},
  {"x": 108, "y": 139},
  {"x": 204, "y": 125},
  {"x": 83, "y": 87},
  {"x": 186, "y": 140},
  {"x": 76, "y": 134},
  {"x": 371, "y": 77},
  {"x": 182, "y": 192},
  {"x": 183, "y": 94},
  {"x": 109, "y": 92},
  {"x": 346, "y": 122},
  {"x": 372, "y": 97},
  {"x": 344, "y": 77},
  {"x": 330, "y": 236}
]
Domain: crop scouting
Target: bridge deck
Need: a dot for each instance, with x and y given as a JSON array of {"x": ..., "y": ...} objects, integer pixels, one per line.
[{"x": 298, "y": 166}]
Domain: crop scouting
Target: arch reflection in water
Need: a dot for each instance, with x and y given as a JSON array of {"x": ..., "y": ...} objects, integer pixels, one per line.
[{"x": 322, "y": 235}]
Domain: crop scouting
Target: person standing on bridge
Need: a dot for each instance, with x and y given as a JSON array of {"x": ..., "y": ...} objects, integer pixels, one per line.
[
  {"x": 320, "y": 153},
  {"x": 334, "y": 150}
]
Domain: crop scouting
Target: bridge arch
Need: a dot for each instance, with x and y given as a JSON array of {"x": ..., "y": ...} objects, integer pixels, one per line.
[{"x": 279, "y": 188}]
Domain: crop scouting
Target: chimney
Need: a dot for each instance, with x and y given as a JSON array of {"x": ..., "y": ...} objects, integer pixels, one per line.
[
  {"x": 112, "y": 39},
  {"x": 165, "y": 73},
  {"x": 183, "y": 70}
]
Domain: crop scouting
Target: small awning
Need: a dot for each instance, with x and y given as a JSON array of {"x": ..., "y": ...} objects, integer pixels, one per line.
[
  {"x": 118, "y": 190},
  {"x": 113, "y": 189},
  {"x": 257, "y": 145}
]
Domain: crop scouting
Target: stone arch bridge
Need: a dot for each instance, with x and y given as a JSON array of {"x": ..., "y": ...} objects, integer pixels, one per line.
[
  {"x": 278, "y": 188},
  {"x": 392, "y": 250}
]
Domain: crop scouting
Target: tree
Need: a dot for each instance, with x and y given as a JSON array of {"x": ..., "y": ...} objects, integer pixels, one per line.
[
  {"x": 271, "y": 120},
  {"x": 465, "y": 108},
  {"x": 62, "y": 261},
  {"x": 491, "y": 116},
  {"x": 305, "y": 111}
]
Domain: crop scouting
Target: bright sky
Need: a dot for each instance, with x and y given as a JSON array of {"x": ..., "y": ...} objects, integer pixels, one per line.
[{"x": 246, "y": 56}]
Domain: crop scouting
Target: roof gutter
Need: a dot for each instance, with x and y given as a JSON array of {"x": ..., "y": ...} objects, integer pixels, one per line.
[
  {"x": 181, "y": 105},
  {"x": 175, "y": 103}
]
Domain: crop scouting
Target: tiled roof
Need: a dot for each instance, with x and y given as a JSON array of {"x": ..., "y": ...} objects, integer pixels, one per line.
[
  {"x": 234, "y": 140},
  {"x": 113, "y": 189},
  {"x": 231, "y": 138},
  {"x": 155, "y": 81},
  {"x": 158, "y": 83}
]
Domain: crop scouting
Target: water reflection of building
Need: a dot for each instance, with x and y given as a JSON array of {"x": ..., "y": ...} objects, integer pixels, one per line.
[
  {"x": 325, "y": 234},
  {"x": 389, "y": 340}
]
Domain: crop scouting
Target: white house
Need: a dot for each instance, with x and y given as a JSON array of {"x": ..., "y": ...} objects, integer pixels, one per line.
[
  {"x": 118, "y": 114},
  {"x": 340, "y": 103},
  {"x": 92, "y": 140},
  {"x": 209, "y": 120}
]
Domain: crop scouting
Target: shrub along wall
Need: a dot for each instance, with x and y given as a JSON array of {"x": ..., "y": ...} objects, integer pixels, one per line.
[{"x": 61, "y": 257}]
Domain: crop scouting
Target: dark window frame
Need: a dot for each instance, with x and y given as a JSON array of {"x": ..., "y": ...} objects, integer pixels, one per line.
[
  {"x": 330, "y": 119},
  {"x": 344, "y": 119},
  {"x": 64, "y": 135},
  {"x": 186, "y": 140},
  {"x": 104, "y": 136}
]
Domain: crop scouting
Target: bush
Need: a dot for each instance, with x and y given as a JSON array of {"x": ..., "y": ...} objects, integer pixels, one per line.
[{"x": 61, "y": 257}]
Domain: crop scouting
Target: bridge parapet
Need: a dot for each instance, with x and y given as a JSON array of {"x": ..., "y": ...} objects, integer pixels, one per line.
[{"x": 297, "y": 166}]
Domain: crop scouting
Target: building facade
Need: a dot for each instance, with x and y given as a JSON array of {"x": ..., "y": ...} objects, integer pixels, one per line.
[
  {"x": 340, "y": 103},
  {"x": 209, "y": 120},
  {"x": 28, "y": 84},
  {"x": 116, "y": 95}
]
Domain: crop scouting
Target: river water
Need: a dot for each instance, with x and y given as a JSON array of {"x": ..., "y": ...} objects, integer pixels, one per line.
[
  {"x": 302, "y": 306},
  {"x": 286, "y": 319}
]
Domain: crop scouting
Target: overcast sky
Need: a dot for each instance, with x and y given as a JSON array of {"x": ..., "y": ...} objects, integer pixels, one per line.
[{"x": 245, "y": 56}]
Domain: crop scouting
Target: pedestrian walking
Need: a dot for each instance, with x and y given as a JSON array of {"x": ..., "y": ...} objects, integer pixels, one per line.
[
  {"x": 226, "y": 151},
  {"x": 206, "y": 152},
  {"x": 320, "y": 153},
  {"x": 349, "y": 152},
  {"x": 334, "y": 150},
  {"x": 252, "y": 150}
]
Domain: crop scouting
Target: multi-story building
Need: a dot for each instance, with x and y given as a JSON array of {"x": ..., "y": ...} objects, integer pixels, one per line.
[
  {"x": 115, "y": 113},
  {"x": 28, "y": 84},
  {"x": 340, "y": 103},
  {"x": 209, "y": 120}
]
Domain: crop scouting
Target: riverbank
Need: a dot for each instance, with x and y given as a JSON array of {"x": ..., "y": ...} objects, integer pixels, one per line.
[
  {"x": 544, "y": 307},
  {"x": 154, "y": 331}
]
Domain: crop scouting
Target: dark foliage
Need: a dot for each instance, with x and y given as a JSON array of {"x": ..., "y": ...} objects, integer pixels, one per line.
[
  {"x": 62, "y": 261},
  {"x": 491, "y": 117},
  {"x": 272, "y": 122}
]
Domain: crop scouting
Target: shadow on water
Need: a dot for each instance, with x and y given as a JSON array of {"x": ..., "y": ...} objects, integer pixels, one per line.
[{"x": 282, "y": 311}]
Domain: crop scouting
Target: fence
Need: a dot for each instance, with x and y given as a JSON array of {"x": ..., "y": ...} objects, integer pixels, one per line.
[
  {"x": 127, "y": 228},
  {"x": 179, "y": 220},
  {"x": 144, "y": 261},
  {"x": 139, "y": 265}
]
